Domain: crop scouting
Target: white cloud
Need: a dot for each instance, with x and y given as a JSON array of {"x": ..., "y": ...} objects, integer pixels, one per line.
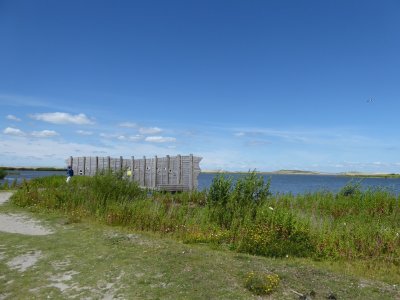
[
  {"x": 109, "y": 135},
  {"x": 128, "y": 124},
  {"x": 150, "y": 130},
  {"x": 62, "y": 118},
  {"x": 44, "y": 133},
  {"x": 160, "y": 139},
  {"x": 83, "y": 132},
  {"x": 135, "y": 138},
  {"x": 13, "y": 131},
  {"x": 13, "y": 118}
]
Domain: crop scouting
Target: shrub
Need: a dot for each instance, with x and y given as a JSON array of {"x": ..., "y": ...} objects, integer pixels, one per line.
[
  {"x": 220, "y": 190},
  {"x": 3, "y": 173},
  {"x": 351, "y": 189},
  {"x": 250, "y": 189}
]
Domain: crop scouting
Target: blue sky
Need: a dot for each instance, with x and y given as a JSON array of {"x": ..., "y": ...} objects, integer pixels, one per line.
[{"x": 264, "y": 85}]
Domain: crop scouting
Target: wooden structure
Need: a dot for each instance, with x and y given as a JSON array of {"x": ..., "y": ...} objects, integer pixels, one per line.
[{"x": 170, "y": 173}]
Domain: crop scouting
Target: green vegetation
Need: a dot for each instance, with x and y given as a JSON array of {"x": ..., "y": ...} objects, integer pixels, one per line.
[
  {"x": 361, "y": 175},
  {"x": 3, "y": 174},
  {"x": 88, "y": 260},
  {"x": 352, "y": 226}
]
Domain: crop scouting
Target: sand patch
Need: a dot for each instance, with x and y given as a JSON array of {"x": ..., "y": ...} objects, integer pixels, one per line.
[
  {"x": 18, "y": 223},
  {"x": 23, "y": 262},
  {"x": 59, "y": 281},
  {"x": 4, "y": 196}
]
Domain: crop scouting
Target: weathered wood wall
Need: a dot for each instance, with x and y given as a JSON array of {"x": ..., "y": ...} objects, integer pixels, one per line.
[{"x": 169, "y": 173}]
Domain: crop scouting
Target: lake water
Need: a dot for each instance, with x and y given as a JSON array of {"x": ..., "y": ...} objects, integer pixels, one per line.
[
  {"x": 295, "y": 184},
  {"x": 300, "y": 184}
]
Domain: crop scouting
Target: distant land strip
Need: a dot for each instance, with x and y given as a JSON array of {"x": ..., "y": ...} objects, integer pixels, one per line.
[
  {"x": 301, "y": 172},
  {"x": 278, "y": 172},
  {"x": 32, "y": 169}
]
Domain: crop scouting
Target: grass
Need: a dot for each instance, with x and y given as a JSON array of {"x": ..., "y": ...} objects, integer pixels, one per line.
[
  {"x": 92, "y": 260},
  {"x": 353, "y": 228}
]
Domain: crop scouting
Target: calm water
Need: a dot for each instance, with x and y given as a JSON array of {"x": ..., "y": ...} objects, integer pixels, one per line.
[
  {"x": 299, "y": 184},
  {"x": 20, "y": 175},
  {"x": 295, "y": 184}
]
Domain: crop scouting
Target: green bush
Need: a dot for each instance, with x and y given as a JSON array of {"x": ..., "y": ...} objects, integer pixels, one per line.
[
  {"x": 351, "y": 189},
  {"x": 3, "y": 173},
  {"x": 220, "y": 190}
]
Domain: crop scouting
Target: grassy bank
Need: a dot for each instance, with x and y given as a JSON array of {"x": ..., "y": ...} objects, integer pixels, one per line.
[
  {"x": 85, "y": 259},
  {"x": 353, "y": 227}
]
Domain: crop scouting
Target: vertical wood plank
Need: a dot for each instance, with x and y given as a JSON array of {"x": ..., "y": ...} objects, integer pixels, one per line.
[
  {"x": 179, "y": 170},
  {"x": 132, "y": 167},
  {"x": 144, "y": 171},
  {"x": 191, "y": 172},
  {"x": 155, "y": 166},
  {"x": 168, "y": 168}
]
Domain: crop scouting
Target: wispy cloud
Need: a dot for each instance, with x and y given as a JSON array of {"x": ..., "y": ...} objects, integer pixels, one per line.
[
  {"x": 135, "y": 138},
  {"x": 128, "y": 124},
  {"x": 14, "y": 131},
  {"x": 150, "y": 130},
  {"x": 122, "y": 137},
  {"x": 84, "y": 132},
  {"x": 36, "y": 134},
  {"x": 44, "y": 133},
  {"x": 63, "y": 118},
  {"x": 18, "y": 100},
  {"x": 311, "y": 136},
  {"x": 13, "y": 118},
  {"x": 160, "y": 139}
]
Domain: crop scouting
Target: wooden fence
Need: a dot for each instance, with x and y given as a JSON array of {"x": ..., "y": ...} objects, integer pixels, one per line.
[{"x": 170, "y": 173}]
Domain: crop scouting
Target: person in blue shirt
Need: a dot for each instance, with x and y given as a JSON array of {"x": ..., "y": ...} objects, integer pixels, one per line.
[{"x": 70, "y": 173}]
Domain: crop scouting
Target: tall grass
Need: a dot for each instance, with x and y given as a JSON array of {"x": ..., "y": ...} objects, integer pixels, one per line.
[{"x": 245, "y": 216}]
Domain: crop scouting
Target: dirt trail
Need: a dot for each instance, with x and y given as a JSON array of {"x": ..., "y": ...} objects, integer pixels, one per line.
[{"x": 19, "y": 223}]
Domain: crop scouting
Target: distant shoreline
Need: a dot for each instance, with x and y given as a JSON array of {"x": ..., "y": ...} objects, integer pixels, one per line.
[
  {"x": 32, "y": 169},
  {"x": 278, "y": 172},
  {"x": 300, "y": 172}
]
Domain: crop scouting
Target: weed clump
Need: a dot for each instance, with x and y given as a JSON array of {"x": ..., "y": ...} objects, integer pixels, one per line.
[{"x": 261, "y": 283}]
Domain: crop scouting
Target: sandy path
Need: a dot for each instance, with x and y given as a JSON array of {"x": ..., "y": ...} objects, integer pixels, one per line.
[
  {"x": 19, "y": 223},
  {"x": 4, "y": 196}
]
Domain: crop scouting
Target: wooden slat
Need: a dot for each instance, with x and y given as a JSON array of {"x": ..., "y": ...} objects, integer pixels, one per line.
[{"x": 174, "y": 172}]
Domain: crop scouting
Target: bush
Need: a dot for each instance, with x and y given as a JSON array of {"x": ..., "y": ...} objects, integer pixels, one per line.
[
  {"x": 220, "y": 190},
  {"x": 351, "y": 189},
  {"x": 3, "y": 173}
]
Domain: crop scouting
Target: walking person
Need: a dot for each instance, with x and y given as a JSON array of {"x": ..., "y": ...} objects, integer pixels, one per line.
[{"x": 70, "y": 173}]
